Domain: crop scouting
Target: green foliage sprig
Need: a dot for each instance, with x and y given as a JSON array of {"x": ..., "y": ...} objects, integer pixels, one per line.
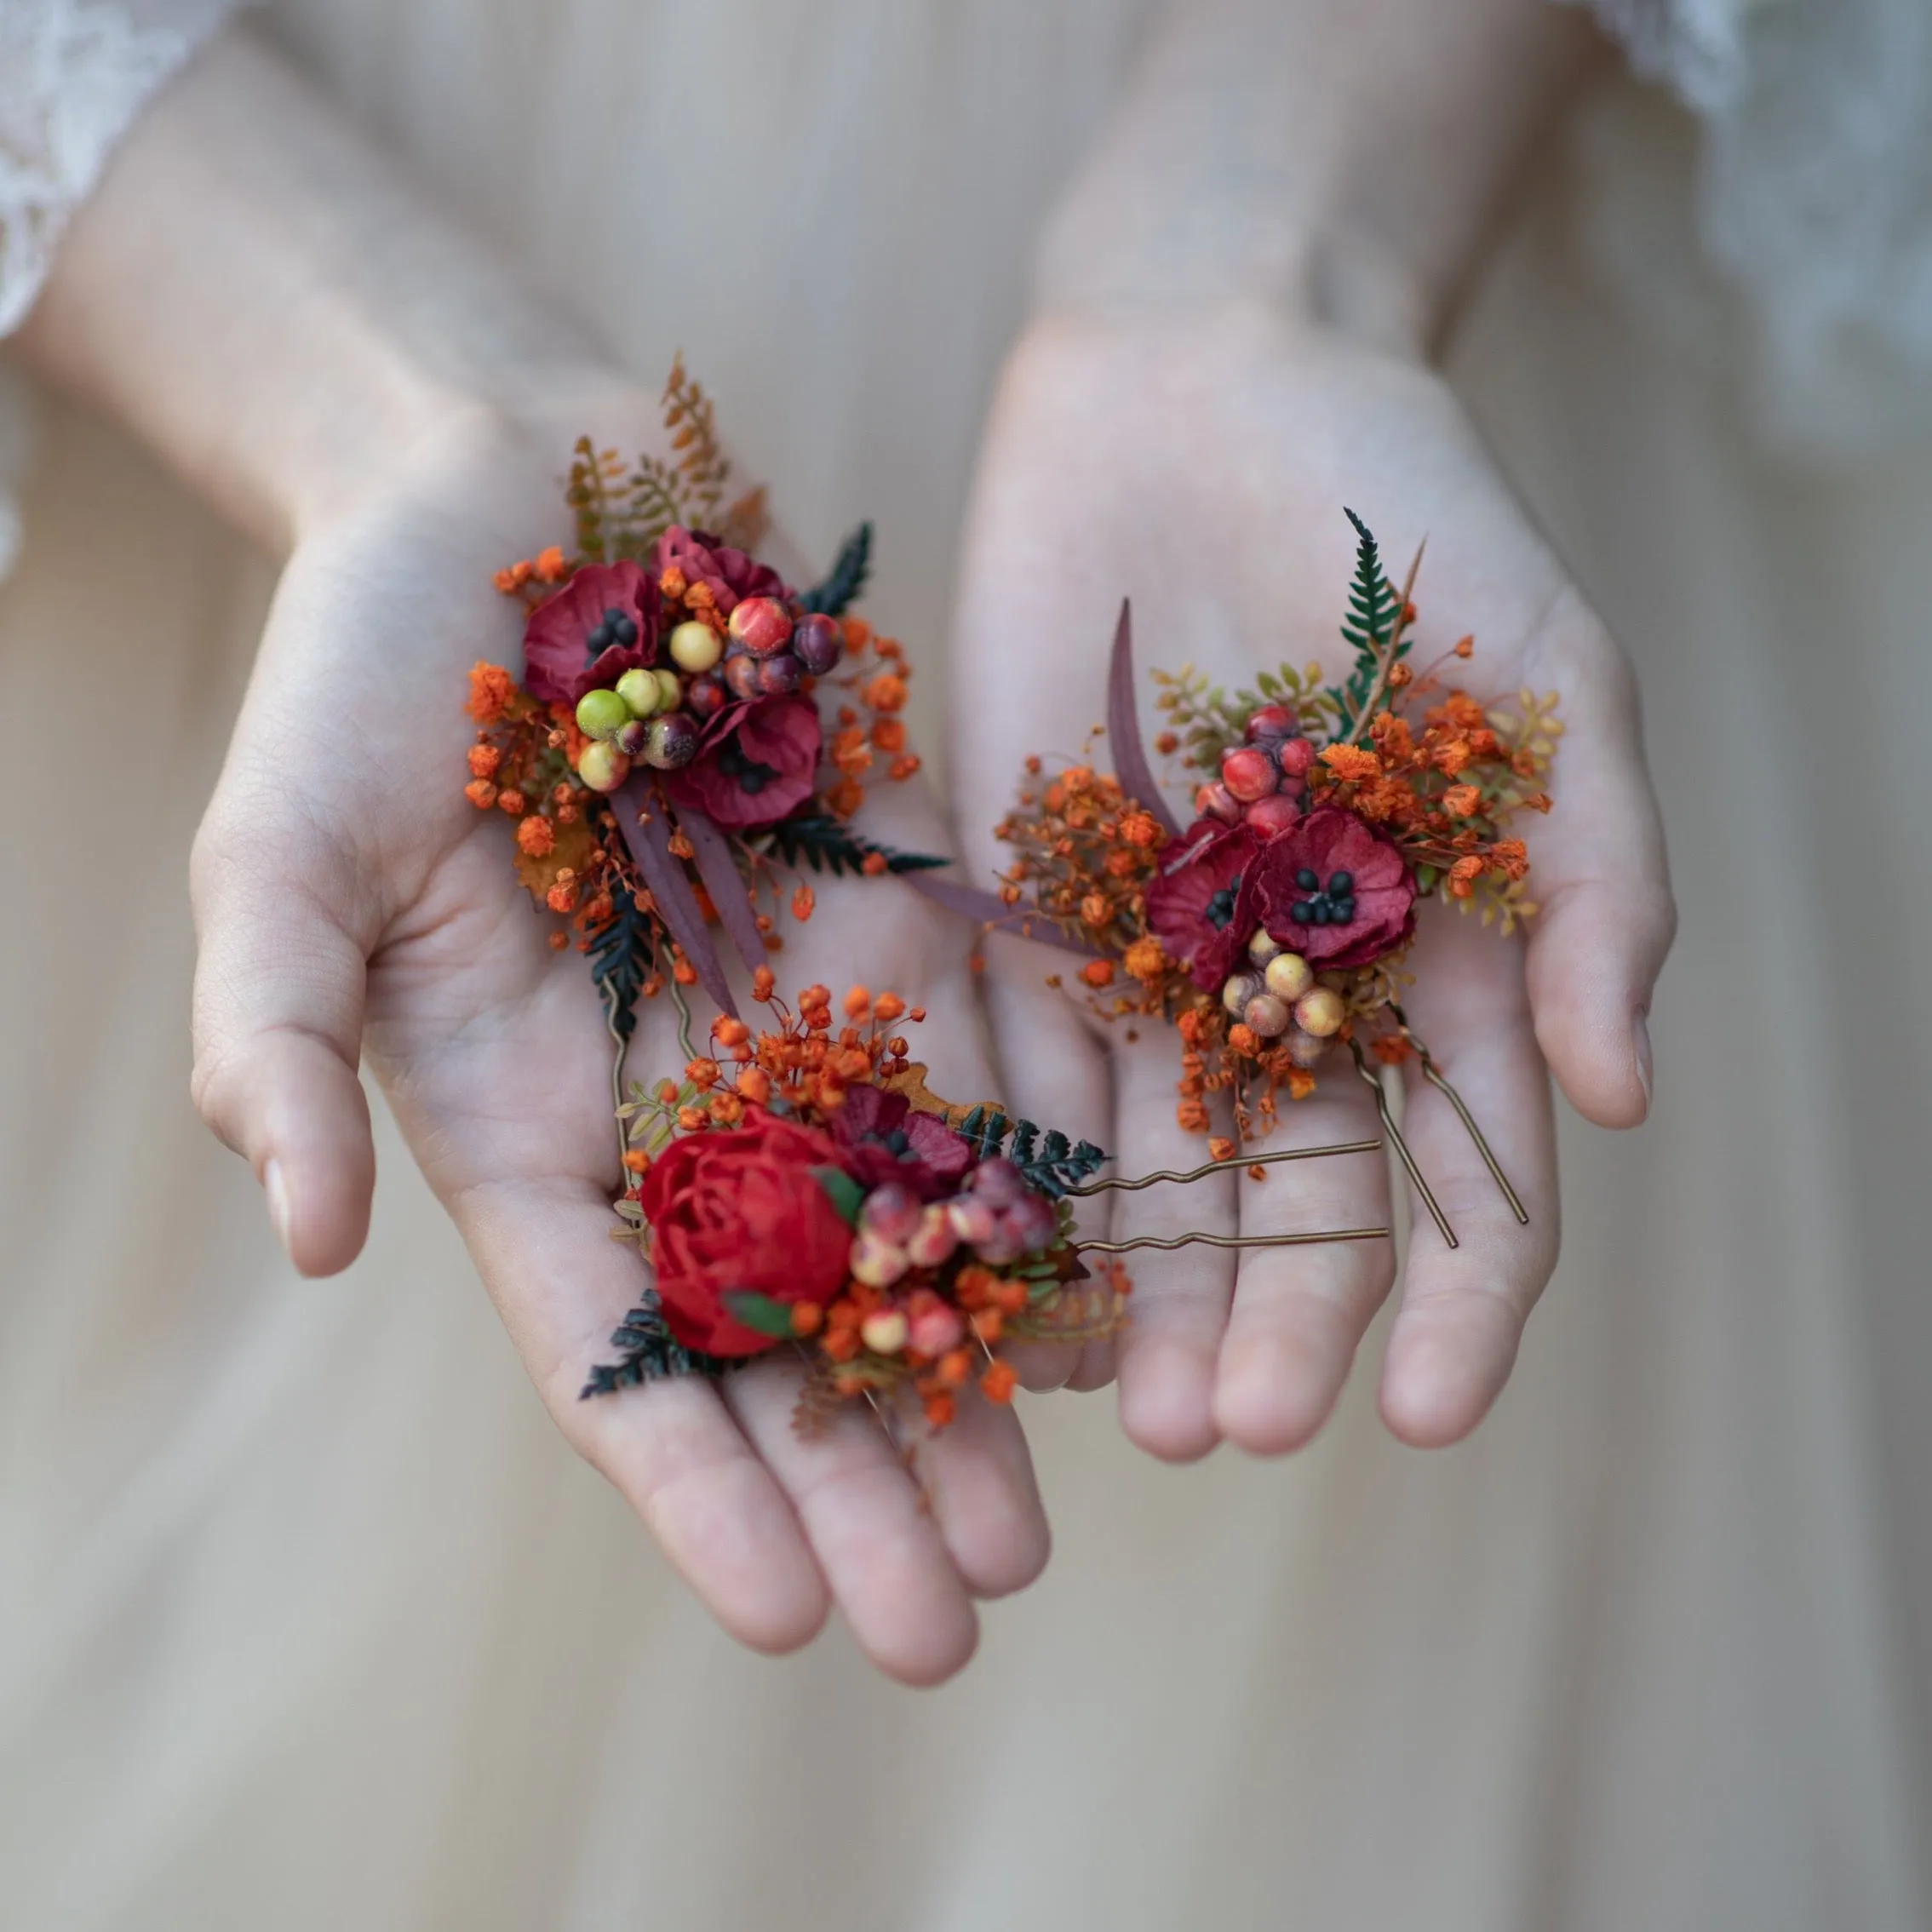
[
  {"x": 622, "y": 510},
  {"x": 650, "y": 1353},
  {"x": 826, "y": 844},
  {"x": 1208, "y": 721},
  {"x": 1047, "y": 1161},
  {"x": 845, "y": 582},
  {"x": 621, "y": 953},
  {"x": 1374, "y": 615}
]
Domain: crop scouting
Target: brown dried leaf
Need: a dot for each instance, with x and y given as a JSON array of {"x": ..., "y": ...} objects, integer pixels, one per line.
[
  {"x": 923, "y": 1100},
  {"x": 572, "y": 848}
]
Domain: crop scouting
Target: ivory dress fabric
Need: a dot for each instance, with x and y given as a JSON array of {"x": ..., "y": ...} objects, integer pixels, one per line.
[{"x": 308, "y": 1621}]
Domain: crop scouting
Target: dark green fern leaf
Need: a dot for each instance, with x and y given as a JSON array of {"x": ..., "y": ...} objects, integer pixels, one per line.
[
  {"x": 652, "y": 1353},
  {"x": 985, "y": 1130},
  {"x": 1048, "y": 1162},
  {"x": 1374, "y": 607},
  {"x": 1060, "y": 1165},
  {"x": 841, "y": 588},
  {"x": 826, "y": 844},
  {"x": 621, "y": 953},
  {"x": 1372, "y": 598}
]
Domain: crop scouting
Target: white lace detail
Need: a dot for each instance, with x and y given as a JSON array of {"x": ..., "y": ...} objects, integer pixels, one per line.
[
  {"x": 1815, "y": 194},
  {"x": 1696, "y": 45},
  {"x": 73, "y": 76}
]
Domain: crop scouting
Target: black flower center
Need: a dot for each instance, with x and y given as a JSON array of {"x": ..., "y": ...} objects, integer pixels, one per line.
[
  {"x": 1220, "y": 909},
  {"x": 613, "y": 627},
  {"x": 747, "y": 773},
  {"x": 1332, "y": 904}
]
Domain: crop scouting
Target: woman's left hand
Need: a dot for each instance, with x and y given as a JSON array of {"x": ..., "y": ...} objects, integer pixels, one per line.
[{"x": 348, "y": 896}]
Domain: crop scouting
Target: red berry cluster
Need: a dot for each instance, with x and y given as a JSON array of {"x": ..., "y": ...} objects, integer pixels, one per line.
[
  {"x": 1265, "y": 780},
  {"x": 768, "y": 654}
]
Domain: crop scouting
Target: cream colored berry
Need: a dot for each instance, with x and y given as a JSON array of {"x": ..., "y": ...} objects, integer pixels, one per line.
[
  {"x": 1241, "y": 986},
  {"x": 603, "y": 767},
  {"x": 884, "y": 1331},
  {"x": 1289, "y": 976},
  {"x": 694, "y": 646},
  {"x": 1305, "y": 1049},
  {"x": 1267, "y": 1015},
  {"x": 1321, "y": 1012},
  {"x": 875, "y": 1261},
  {"x": 1263, "y": 947}
]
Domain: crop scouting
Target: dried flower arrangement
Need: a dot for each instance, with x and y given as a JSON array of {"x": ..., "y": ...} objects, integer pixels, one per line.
[
  {"x": 802, "y": 1186},
  {"x": 1276, "y": 925},
  {"x": 664, "y": 753},
  {"x": 663, "y": 756}
]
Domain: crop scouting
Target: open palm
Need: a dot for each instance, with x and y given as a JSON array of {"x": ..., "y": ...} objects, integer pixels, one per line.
[
  {"x": 1199, "y": 462},
  {"x": 348, "y": 897}
]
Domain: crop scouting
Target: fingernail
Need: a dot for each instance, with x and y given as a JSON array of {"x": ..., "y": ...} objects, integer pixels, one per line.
[
  {"x": 276, "y": 1191},
  {"x": 1640, "y": 1027}
]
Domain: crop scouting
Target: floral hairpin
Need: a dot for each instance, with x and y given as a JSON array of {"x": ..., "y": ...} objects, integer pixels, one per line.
[
  {"x": 664, "y": 753},
  {"x": 1275, "y": 925},
  {"x": 800, "y": 1185}
]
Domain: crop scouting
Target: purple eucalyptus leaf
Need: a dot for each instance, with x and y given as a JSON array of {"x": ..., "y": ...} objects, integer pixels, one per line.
[
  {"x": 646, "y": 826},
  {"x": 987, "y": 908},
  {"x": 725, "y": 884},
  {"x": 1123, "y": 727}
]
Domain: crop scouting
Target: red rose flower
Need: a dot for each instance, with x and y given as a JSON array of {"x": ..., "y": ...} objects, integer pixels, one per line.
[
  {"x": 601, "y": 624},
  {"x": 880, "y": 1138},
  {"x": 1201, "y": 906},
  {"x": 739, "y": 1210},
  {"x": 1334, "y": 890},
  {"x": 729, "y": 574},
  {"x": 759, "y": 765}
]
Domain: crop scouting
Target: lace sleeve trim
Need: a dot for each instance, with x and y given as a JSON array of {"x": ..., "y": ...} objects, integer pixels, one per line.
[
  {"x": 74, "y": 75},
  {"x": 1696, "y": 45},
  {"x": 1814, "y": 195}
]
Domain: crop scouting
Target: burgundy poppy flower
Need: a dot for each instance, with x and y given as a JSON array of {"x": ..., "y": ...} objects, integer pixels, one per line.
[
  {"x": 760, "y": 768},
  {"x": 730, "y": 574},
  {"x": 1334, "y": 890},
  {"x": 1202, "y": 909},
  {"x": 880, "y": 1138},
  {"x": 601, "y": 624}
]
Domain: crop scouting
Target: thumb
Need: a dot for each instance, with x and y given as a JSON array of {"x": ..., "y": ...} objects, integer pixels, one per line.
[
  {"x": 1608, "y": 916},
  {"x": 277, "y": 1026}
]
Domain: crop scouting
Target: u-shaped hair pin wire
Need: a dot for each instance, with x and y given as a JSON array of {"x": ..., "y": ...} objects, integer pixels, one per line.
[
  {"x": 1439, "y": 1080},
  {"x": 1168, "y": 1243},
  {"x": 1436, "y": 1079}
]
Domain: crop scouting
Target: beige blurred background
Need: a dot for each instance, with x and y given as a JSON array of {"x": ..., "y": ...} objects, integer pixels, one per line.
[{"x": 307, "y": 1618}]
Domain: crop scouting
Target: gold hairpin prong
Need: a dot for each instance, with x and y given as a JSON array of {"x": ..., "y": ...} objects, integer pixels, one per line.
[
  {"x": 1168, "y": 1243},
  {"x": 1224, "y": 1166},
  {"x": 1439, "y": 1080},
  {"x": 1401, "y": 1146}
]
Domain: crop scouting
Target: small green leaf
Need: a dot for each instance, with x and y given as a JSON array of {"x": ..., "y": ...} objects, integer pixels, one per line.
[
  {"x": 845, "y": 1194},
  {"x": 758, "y": 1312}
]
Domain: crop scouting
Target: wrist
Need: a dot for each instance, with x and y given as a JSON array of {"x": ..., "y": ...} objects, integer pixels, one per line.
[
  {"x": 393, "y": 437},
  {"x": 1342, "y": 166},
  {"x": 260, "y": 298}
]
